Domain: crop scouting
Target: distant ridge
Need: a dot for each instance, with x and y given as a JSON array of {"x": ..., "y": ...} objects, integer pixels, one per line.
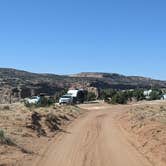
[{"x": 17, "y": 84}]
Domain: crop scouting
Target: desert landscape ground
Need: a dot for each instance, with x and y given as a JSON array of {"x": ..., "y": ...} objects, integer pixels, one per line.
[
  {"x": 89, "y": 135},
  {"x": 82, "y": 83},
  {"x": 25, "y": 133}
]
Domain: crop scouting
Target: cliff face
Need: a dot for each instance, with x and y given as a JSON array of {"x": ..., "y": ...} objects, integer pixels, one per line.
[{"x": 16, "y": 84}]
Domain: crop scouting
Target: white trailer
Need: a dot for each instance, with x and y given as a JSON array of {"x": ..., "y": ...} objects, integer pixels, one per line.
[
  {"x": 73, "y": 96},
  {"x": 78, "y": 95}
]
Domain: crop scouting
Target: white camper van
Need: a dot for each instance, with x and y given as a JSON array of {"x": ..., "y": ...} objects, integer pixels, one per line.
[{"x": 73, "y": 96}]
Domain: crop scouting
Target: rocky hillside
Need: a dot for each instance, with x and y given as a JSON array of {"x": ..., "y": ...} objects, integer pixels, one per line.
[
  {"x": 16, "y": 84},
  {"x": 118, "y": 81}
]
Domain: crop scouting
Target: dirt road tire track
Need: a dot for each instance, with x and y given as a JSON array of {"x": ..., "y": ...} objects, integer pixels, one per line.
[{"x": 93, "y": 140}]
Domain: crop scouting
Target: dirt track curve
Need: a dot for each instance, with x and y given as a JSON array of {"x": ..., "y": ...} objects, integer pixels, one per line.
[{"x": 93, "y": 140}]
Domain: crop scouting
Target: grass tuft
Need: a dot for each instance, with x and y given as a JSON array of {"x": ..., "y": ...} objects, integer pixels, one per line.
[{"x": 5, "y": 140}]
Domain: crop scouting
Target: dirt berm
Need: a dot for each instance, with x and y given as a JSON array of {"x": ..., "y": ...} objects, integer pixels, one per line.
[{"x": 26, "y": 132}]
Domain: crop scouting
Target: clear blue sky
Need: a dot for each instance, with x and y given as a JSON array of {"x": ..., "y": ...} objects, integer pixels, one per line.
[{"x": 70, "y": 36}]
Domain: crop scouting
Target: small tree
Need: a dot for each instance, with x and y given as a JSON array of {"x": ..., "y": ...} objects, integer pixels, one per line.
[
  {"x": 105, "y": 94},
  {"x": 119, "y": 98},
  {"x": 138, "y": 94},
  {"x": 91, "y": 96},
  {"x": 155, "y": 95},
  {"x": 46, "y": 101},
  {"x": 59, "y": 94}
]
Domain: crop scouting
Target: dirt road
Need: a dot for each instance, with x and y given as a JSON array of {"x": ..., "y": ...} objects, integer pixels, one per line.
[{"x": 93, "y": 140}]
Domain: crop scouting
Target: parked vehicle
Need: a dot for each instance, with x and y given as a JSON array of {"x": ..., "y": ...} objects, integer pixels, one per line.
[
  {"x": 73, "y": 97},
  {"x": 163, "y": 97},
  {"x": 33, "y": 100},
  {"x": 78, "y": 95},
  {"x": 147, "y": 93},
  {"x": 66, "y": 99}
]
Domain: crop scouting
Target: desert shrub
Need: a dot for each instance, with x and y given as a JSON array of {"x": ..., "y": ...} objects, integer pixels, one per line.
[
  {"x": 59, "y": 94},
  {"x": 162, "y": 108},
  {"x": 138, "y": 94},
  {"x": 35, "y": 124},
  {"x": 6, "y": 107},
  {"x": 46, "y": 101},
  {"x": 27, "y": 104},
  {"x": 129, "y": 95},
  {"x": 105, "y": 94},
  {"x": 53, "y": 122},
  {"x": 91, "y": 96},
  {"x": 5, "y": 140},
  {"x": 155, "y": 95},
  {"x": 122, "y": 97},
  {"x": 119, "y": 98}
]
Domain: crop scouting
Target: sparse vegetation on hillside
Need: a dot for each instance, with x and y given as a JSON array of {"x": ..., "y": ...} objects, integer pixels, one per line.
[{"x": 122, "y": 97}]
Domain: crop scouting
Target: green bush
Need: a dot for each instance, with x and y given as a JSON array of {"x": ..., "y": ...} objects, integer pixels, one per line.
[
  {"x": 46, "y": 101},
  {"x": 119, "y": 98},
  {"x": 138, "y": 94},
  {"x": 91, "y": 96},
  {"x": 105, "y": 94},
  {"x": 122, "y": 97},
  {"x": 59, "y": 94},
  {"x": 155, "y": 95}
]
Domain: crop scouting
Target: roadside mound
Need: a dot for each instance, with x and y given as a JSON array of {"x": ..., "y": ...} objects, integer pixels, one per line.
[
  {"x": 29, "y": 130},
  {"x": 147, "y": 124}
]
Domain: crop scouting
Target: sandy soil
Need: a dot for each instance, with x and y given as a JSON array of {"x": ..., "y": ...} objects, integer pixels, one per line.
[
  {"x": 104, "y": 135},
  {"x": 145, "y": 123},
  {"x": 31, "y": 130}
]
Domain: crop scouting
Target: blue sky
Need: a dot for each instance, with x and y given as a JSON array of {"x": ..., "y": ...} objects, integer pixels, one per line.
[{"x": 70, "y": 36}]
